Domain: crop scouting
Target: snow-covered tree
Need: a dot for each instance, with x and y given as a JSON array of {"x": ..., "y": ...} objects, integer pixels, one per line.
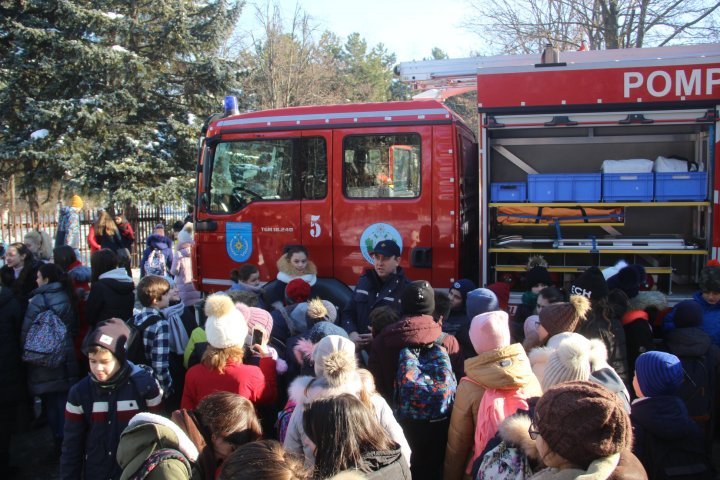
[{"x": 108, "y": 96}]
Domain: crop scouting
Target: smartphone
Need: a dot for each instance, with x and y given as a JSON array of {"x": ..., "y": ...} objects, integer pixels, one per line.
[{"x": 257, "y": 336}]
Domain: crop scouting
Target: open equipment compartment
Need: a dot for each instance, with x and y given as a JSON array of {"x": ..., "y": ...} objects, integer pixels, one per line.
[{"x": 515, "y": 152}]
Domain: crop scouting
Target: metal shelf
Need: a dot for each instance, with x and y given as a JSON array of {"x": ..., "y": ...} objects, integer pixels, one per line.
[
  {"x": 600, "y": 250},
  {"x": 602, "y": 204}
]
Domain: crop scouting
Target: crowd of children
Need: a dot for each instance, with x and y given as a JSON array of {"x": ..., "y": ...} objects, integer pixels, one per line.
[{"x": 154, "y": 381}]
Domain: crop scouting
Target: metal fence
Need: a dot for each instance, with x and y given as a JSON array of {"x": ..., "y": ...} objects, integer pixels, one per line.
[{"x": 14, "y": 226}]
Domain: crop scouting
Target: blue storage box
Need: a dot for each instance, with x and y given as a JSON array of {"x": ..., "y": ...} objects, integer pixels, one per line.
[
  {"x": 566, "y": 187},
  {"x": 636, "y": 187},
  {"x": 690, "y": 186},
  {"x": 508, "y": 192}
]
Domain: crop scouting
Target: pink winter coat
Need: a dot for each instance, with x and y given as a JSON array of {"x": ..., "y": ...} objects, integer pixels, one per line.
[{"x": 181, "y": 269}]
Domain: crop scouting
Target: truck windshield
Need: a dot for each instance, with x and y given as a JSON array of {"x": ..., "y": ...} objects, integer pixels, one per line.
[{"x": 247, "y": 171}]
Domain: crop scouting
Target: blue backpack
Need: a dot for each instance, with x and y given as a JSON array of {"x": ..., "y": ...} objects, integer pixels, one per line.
[
  {"x": 425, "y": 384},
  {"x": 46, "y": 341},
  {"x": 156, "y": 263}
]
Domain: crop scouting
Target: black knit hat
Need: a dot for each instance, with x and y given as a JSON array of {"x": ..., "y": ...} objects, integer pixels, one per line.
[
  {"x": 418, "y": 299},
  {"x": 628, "y": 279},
  {"x": 538, "y": 275},
  {"x": 111, "y": 334},
  {"x": 688, "y": 313},
  {"x": 590, "y": 284}
]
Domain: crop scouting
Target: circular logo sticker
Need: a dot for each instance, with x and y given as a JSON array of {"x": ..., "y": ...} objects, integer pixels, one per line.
[{"x": 375, "y": 233}]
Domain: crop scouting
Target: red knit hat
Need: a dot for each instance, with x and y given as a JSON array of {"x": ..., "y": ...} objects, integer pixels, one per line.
[{"x": 297, "y": 291}]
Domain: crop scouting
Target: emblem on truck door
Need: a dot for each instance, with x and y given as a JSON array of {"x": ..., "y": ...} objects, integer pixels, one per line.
[
  {"x": 238, "y": 240},
  {"x": 373, "y": 234}
]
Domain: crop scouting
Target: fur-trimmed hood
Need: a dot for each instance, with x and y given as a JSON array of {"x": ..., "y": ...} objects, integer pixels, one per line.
[
  {"x": 600, "y": 469},
  {"x": 286, "y": 271},
  {"x": 648, "y": 299},
  {"x": 514, "y": 430},
  {"x": 146, "y": 433},
  {"x": 306, "y": 389}
]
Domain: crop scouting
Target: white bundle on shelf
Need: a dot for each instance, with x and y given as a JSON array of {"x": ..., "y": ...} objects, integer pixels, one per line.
[{"x": 630, "y": 165}]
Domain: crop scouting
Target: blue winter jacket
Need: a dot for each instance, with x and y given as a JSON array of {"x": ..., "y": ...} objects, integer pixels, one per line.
[
  {"x": 711, "y": 318},
  {"x": 95, "y": 417},
  {"x": 371, "y": 292}
]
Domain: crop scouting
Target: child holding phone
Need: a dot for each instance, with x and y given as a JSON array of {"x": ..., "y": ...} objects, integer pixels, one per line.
[{"x": 260, "y": 324}]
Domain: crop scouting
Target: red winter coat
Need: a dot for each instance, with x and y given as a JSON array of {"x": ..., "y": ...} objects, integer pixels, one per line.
[
  {"x": 408, "y": 332},
  {"x": 257, "y": 384},
  {"x": 92, "y": 241}
]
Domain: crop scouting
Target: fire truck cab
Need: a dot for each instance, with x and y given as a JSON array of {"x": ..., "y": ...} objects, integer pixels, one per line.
[{"x": 337, "y": 179}]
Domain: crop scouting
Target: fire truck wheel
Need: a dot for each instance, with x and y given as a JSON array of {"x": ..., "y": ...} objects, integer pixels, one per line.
[{"x": 328, "y": 289}]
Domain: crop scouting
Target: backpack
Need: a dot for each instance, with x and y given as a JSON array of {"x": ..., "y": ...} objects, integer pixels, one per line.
[
  {"x": 135, "y": 347},
  {"x": 159, "y": 456},
  {"x": 156, "y": 264},
  {"x": 425, "y": 383},
  {"x": 283, "y": 421},
  {"x": 47, "y": 341},
  {"x": 504, "y": 462}
]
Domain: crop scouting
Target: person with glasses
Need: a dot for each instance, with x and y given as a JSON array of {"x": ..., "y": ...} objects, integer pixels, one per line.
[
  {"x": 582, "y": 430},
  {"x": 192, "y": 444}
]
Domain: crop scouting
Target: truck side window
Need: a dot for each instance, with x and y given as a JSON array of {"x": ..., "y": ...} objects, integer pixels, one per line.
[
  {"x": 251, "y": 170},
  {"x": 313, "y": 170},
  {"x": 382, "y": 166}
]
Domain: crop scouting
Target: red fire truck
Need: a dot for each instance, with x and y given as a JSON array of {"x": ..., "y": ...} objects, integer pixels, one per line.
[{"x": 339, "y": 178}]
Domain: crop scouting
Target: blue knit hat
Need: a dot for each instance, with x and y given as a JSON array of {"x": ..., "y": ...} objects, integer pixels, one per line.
[
  {"x": 480, "y": 300},
  {"x": 464, "y": 286},
  {"x": 659, "y": 373}
]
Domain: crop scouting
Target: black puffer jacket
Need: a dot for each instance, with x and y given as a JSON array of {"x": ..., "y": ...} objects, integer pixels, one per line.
[
  {"x": 111, "y": 296},
  {"x": 12, "y": 378},
  {"x": 43, "y": 379},
  {"x": 613, "y": 336}
]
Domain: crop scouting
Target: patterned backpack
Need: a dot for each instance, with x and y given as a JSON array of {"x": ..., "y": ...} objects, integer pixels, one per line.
[
  {"x": 425, "y": 383},
  {"x": 155, "y": 264},
  {"x": 47, "y": 340}
]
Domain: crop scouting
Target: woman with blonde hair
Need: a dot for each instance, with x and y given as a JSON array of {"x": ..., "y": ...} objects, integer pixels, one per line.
[
  {"x": 222, "y": 368},
  {"x": 107, "y": 234},
  {"x": 40, "y": 244}
]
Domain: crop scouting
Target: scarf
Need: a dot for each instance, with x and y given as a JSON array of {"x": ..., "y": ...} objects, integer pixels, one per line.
[
  {"x": 120, "y": 377},
  {"x": 495, "y": 406}
]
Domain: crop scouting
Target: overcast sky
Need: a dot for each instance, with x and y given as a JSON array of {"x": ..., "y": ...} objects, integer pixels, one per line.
[{"x": 408, "y": 28}]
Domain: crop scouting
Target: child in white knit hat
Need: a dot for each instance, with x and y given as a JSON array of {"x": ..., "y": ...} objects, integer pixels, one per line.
[{"x": 222, "y": 367}]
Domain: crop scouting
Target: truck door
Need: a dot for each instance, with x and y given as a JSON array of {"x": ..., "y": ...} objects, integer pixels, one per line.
[
  {"x": 382, "y": 189},
  {"x": 316, "y": 192},
  {"x": 255, "y": 202}
]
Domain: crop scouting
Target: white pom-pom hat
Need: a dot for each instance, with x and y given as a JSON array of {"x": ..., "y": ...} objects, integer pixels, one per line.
[{"x": 225, "y": 327}]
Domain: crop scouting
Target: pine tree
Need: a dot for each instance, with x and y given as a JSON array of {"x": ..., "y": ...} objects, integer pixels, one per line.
[{"x": 109, "y": 95}]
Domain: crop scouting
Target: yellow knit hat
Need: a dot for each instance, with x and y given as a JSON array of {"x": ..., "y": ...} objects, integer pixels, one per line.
[{"x": 76, "y": 201}]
